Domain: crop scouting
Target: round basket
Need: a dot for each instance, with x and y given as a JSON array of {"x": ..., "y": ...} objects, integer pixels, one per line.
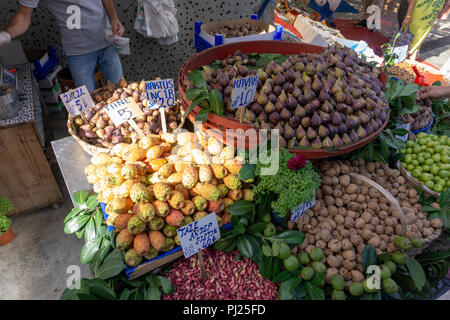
[
  {"x": 229, "y": 130},
  {"x": 414, "y": 182},
  {"x": 88, "y": 148},
  {"x": 425, "y": 242}
]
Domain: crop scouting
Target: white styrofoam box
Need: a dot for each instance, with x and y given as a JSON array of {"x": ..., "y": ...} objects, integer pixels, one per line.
[
  {"x": 51, "y": 79},
  {"x": 310, "y": 34},
  {"x": 268, "y": 33}
]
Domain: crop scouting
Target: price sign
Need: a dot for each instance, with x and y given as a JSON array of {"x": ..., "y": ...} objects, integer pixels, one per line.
[
  {"x": 298, "y": 211},
  {"x": 199, "y": 234},
  {"x": 160, "y": 92},
  {"x": 124, "y": 110},
  {"x": 244, "y": 90},
  {"x": 77, "y": 100},
  {"x": 403, "y": 126}
]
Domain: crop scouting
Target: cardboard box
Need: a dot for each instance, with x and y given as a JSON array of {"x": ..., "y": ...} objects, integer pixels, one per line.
[
  {"x": 51, "y": 79},
  {"x": 268, "y": 33},
  {"x": 309, "y": 33}
]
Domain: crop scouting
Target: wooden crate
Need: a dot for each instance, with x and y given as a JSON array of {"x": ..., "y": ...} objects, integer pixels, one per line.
[{"x": 25, "y": 175}]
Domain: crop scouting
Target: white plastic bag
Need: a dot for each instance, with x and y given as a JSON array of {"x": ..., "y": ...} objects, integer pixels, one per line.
[
  {"x": 122, "y": 44},
  {"x": 156, "y": 19}
]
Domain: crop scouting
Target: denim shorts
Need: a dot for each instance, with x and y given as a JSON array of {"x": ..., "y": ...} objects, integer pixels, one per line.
[{"x": 82, "y": 67}]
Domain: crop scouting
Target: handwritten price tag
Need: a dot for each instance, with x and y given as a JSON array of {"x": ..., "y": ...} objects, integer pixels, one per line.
[
  {"x": 160, "y": 92},
  {"x": 298, "y": 211},
  {"x": 123, "y": 110},
  {"x": 243, "y": 91},
  {"x": 403, "y": 126},
  {"x": 199, "y": 235},
  {"x": 77, "y": 100}
]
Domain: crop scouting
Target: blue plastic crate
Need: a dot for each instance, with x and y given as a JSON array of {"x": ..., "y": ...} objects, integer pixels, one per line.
[
  {"x": 42, "y": 71},
  {"x": 202, "y": 44}
]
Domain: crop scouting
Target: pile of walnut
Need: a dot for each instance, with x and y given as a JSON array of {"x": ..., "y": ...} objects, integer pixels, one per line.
[{"x": 348, "y": 216}]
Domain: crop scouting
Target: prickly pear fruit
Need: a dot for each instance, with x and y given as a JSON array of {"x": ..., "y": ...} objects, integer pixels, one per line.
[
  {"x": 136, "y": 225},
  {"x": 219, "y": 171},
  {"x": 176, "y": 200},
  {"x": 145, "y": 211},
  {"x": 121, "y": 221},
  {"x": 188, "y": 208},
  {"x": 141, "y": 243},
  {"x": 157, "y": 240},
  {"x": 209, "y": 191},
  {"x": 124, "y": 239},
  {"x": 216, "y": 206},
  {"x": 157, "y": 223},
  {"x": 232, "y": 182},
  {"x": 169, "y": 231},
  {"x": 200, "y": 214},
  {"x": 200, "y": 203},
  {"x": 204, "y": 174},
  {"x": 132, "y": 259},
  {"x": 190, "y": 177},
  {"x": 175, "y": 218},
  {"x": 161, "y": 191}
]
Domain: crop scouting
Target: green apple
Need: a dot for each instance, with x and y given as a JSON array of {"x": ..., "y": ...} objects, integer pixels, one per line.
[
  {"x": 438, "y": 188},
  {"x": 434, "y": 170},
  {"x": 429, "y": 184},
  {"x": 436, "y": 157},
  {"x": 426, "y": 168},
  {"x": 429, "y": 162}
]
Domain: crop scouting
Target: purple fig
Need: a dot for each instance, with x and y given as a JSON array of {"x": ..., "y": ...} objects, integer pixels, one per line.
[
  {"x": 325, "y": 117},
  {"x": 354, "y": 136},
  {"x": 269, "y": 107},
  {"x": 292, "y": 143},
  {"x": 327, "y": 143},
  {"x": 279, "y": 79},
  {"x": 300, "y": 112},
  {"x": 302, "y": 100},
  {"x": 364, "y": 117},
  {"x": 323, "y": 131},
  {"x": 310, "y": 109},
  {"x": 311, "y": 133},
  {"x": 274, "y": 117},
  {"x": 256, "y": 108},
  {"x": 327, "y": 107},
  {"x": 362, "y": 133},
  {"x": 299, "y": 66},
  {"x": 296, "y": 93},
  {"x": 294, "y": 121},
  {"x": 306, "y": 122},
  {"x": 263, "y": 117},
  {"x": 350, "y": 123},
  {"x": 282, "y": 142},
  {"x": 272, "y": 98},
  {"x": 316, "y": 120},
  {"x": 368, "y": 129},
  {"x": 304, "y": 142},
  {"x": 323, "y": 96},
  {"x": 337, "y": 141},
  {"x": 264, "y": 125},
  {"x": 316, "y": 143},
  {"x": 285, "y": 114},
  {"x": 280, "y": 128},
  {"x": 262, "y": 99},
  {"x": 276, "y": 90},
  {"x": 316, "y": 84},
  {"x": 289, "y": 133},
  {"x": 336, "y": 119},
  {"x": 299, "y": 83},
  {"x": 332, "y": 129},
  {"x": 291, "y": 102},
  {"x": 300, "y": 132},
  {"x": 346, "y": 139}
]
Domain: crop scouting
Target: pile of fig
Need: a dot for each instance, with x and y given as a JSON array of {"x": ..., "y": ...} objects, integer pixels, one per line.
[
  {"x": 420, "y": 119},
  {"x": 95, "y": 127},
  {"x": 319, "y": 100},
  {"x": 237, "y": 30}
]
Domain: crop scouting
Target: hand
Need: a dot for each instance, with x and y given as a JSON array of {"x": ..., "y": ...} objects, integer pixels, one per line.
[
  {"x": 434, "y": 92},
  {"x": 4, "y": 38},
  {"x": 117, "y": 28},
  {"x": 406, "y": 22}
]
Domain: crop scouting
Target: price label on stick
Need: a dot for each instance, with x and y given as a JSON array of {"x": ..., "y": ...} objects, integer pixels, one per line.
[
  {"x": 298, "y": 211},
  {"x": 403, "y": 126},
  {"x": 244, "y": 90},
  {"x": 160, "y": 94},
  {"x": 199, "y": 234},
  {"x": 77, "y": 100},
  {"x": 124, "y": 110}
]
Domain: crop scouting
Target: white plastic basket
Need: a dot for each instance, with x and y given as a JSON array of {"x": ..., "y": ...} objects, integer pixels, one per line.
[{"x": 8, "y": 102}]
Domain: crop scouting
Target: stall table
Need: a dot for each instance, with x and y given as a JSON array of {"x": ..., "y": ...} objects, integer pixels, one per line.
[{"x": 25, "y": 175}]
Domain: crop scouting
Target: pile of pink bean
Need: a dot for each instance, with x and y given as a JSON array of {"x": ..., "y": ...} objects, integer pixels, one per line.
[{"x": 226, "y": 279}]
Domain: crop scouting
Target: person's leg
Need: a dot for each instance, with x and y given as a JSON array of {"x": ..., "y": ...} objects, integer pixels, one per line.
[
  {"x": 109, "y": 64},
  {"x": 82, "y": 69},
  {"x": 362, "y": 12}
]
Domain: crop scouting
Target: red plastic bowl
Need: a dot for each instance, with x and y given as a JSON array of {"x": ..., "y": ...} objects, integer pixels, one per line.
[{"x": 217, "y": 126}]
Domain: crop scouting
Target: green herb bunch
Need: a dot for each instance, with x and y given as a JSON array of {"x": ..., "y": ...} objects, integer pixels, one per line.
[{"x": 292, "y": 187}]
